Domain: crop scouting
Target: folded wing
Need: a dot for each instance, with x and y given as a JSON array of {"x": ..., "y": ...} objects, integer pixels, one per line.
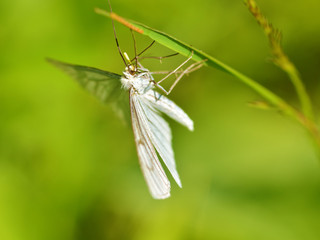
[
  {"x": 105, "y": 86},
  {"x": 168, "y": 107},
  {"x": 153, "y": 172},
  {"x": 160, "y": 136}
]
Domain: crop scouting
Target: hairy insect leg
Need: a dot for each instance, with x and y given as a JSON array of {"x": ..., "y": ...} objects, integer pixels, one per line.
[
  {"x": 137, "y": 55},
  {"x": 172, "y": 72},
  {"x": 193, "y": 67},
  {"x": 160, "y": 58}
]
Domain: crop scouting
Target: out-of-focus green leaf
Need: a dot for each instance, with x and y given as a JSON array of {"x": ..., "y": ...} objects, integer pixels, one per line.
[{"x": 260, "y": 105}]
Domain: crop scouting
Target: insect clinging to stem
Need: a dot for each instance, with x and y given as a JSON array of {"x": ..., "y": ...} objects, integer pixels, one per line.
[{"x": 152, "y": 133}]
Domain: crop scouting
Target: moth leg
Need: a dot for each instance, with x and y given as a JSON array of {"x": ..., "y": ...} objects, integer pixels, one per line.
[
  {"x": 172, "y": 72},
  {"x": 160, "y": 58},
  {"x": 135, "y": 48},
  {"x": 155, "y": 96},
  {"x": 193, "y": 67},
  {"x": 137, "y": 55}
]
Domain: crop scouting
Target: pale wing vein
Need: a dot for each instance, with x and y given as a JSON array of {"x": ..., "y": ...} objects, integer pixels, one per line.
[
  {"x": 161, "y": 137},
  {"x": 168, "y": 107},
  {"x": 153, "y": 172}
]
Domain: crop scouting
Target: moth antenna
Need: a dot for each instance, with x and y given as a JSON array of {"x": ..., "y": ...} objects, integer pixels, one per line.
[
  {"x": 115, "y": 36},
  {"x": 150, "y": 45},
  {"x": 135, "y": 48}
]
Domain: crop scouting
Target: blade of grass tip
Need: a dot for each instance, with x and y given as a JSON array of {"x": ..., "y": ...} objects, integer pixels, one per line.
[
  {"x": 280, "y": 58},
  {"x": 198, "y": 55},
  {"x": 283, "y": 62}
]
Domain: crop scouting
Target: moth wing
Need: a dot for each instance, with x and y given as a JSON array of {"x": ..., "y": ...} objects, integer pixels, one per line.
[
  {"x": 161, "y": 137},
  {"x": 157, "y": 181},
  {"x": 169, "y": 108},
  {"x": 105, "y": 86}
]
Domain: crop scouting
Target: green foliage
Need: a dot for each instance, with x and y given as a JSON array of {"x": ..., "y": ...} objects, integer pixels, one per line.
[
  {"x": 280, "y": 58},
  {"x": 69, "y": 169},
  {"x": 306, "y": 119}
]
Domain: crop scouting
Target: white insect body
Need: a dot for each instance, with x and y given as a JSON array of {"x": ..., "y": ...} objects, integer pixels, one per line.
[
  {"x": 140, "y": 79},
  {"x": 151, "y": 132}
]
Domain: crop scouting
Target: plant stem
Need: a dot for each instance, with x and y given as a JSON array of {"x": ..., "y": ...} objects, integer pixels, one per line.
[
  {"x": 281, "y": 59},
  {"x": 294, "y": 75},
  {"x": 305, "y": 118}
]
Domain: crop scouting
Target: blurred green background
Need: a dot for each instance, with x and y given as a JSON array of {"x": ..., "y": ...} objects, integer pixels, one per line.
[{"x": 69, "y": 168}]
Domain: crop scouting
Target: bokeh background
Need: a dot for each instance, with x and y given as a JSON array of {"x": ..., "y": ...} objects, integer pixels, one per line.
[{"x": 69, "y": 168}]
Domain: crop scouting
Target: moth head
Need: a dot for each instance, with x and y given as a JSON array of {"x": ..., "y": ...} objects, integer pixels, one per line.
[{"x": 131, "y": 69}]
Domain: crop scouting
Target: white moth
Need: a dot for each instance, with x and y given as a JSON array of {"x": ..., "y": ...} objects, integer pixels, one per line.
[{"x": 152, "y": 133}]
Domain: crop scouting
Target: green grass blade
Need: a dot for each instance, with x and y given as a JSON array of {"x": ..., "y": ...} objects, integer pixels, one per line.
[
  {"x": 186, "y": 50},
  {"x": 280, "y": 58},
  {"x": 198, "y": 55}
]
